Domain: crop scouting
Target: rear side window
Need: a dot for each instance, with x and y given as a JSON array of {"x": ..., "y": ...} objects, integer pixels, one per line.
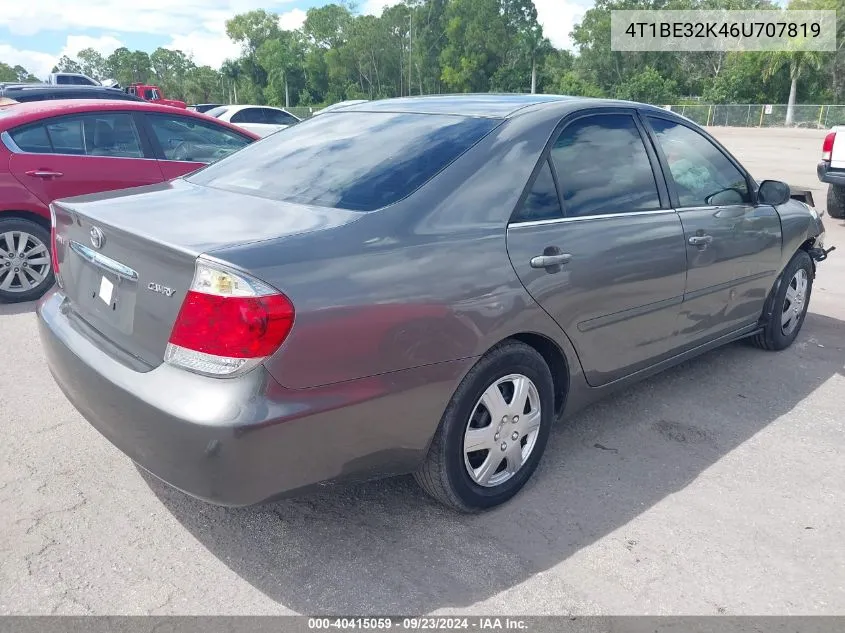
[
  {"x": 359, "y": 161},
  {"x": 542, "y": 202},
  {"x": 602, "y": 167},
  {"x": 108, "y": 134},
  {"x": 249, "y": 115},
  {"x": 32, "y": 139}
]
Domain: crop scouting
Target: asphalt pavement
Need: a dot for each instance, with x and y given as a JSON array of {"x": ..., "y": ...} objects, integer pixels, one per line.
[{"x": 715, "y": 488}]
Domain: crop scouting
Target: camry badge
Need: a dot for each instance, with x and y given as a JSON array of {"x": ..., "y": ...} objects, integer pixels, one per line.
[
  {"x": 164, "y": 290},
  {"x": 97, "y": 237}
]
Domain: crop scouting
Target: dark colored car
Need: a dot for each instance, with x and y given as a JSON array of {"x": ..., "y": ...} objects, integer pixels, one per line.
[
  {"x": 417, "y": 285},
  {"x": 59, "y": 149},
  {"x": 23, "y": 93}
]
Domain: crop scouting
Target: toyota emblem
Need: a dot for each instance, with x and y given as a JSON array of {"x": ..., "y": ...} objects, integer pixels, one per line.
[{"x": 97, "y": 237}]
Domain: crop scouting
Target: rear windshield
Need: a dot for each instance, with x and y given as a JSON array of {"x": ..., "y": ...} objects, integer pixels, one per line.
[{"x": 350, "y": 160}]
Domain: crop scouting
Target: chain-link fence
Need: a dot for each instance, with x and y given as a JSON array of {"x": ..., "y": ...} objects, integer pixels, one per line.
[
  {"x": 301, "y": 112},
  {"x": 756, "y": 115}
]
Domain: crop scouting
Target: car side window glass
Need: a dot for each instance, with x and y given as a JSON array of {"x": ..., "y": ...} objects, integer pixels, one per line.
[
  {"x": 702, "y": 174},
  {"x": 274, "y": 117},
  {"x": 248, "y": 115},
  {"x": 603, "y": 167},
  {"x": 107, "y": 134},
  {"x": 542, "y": 202},
  {"x": 32, "y": 139},
  {"x": 190, "y": 140}
]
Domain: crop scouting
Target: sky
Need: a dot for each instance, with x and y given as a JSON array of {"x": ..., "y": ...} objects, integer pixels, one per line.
[{"x": 36, "y": 33}]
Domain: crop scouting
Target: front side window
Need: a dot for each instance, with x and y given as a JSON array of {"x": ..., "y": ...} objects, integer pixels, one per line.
[
  {"x": 277, "y": 117},
  {"x": 602, "y": 167},
  {"x": 106, "y": 134},
  {"x": 542, "y": 202},
  {"x": 188, "y": 139},
  {"x": 349, "y": 160},
  {"x": 703, "y": 175}
]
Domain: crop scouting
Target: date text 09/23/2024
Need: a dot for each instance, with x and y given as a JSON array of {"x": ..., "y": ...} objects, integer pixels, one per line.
[{"x": 419, "y": 623}]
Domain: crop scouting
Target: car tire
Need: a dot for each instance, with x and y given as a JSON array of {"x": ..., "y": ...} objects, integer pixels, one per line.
[
  {"x": 836, "y": 201},
  {"x": 789, "y": 305},
  {"x": 18, "y": 286},
  {"x": 511, "y": 368}
]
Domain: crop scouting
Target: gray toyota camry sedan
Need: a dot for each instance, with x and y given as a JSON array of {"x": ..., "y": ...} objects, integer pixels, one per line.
[{"x": 419, "y": 285}]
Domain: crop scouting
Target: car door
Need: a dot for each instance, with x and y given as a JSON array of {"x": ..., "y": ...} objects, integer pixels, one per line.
[
  {"x": 597, "y": 246},
  {"x": 733, "y": 245},
  {"x": 185, "y": 143},
  {"x": 79, "y": 154}
]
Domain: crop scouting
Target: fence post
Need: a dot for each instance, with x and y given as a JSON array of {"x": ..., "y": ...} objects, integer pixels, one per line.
[
  {"x": 748, "y": 117},
  {"x": 709, "y": 112},
  {"x": 762, "y": 112},
  {"x": 827, "y": 112}
]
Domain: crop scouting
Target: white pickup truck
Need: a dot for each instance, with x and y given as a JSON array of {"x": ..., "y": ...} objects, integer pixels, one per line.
[{"x": 831, "y": 170}]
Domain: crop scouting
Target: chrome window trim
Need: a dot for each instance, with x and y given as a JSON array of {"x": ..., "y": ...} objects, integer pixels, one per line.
[
  {"x": 582, "y": 218},
  {"x": 104, "y": 262},
  {"x": 10, "y": 144}
]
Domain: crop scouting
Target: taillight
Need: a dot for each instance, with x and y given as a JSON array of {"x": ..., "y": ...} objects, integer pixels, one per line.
[
  {"x": 827, "y": 146},
  {"x": 54, "y": 246},
  {"x": 228, "y": 323}
]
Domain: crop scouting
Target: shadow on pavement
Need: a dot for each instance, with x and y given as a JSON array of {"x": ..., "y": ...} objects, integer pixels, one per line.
[
  {"x": 17, "y": 308},
  {"x": 386, "y": 548}
]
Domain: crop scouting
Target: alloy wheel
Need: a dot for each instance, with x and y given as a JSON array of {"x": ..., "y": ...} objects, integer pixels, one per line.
[{"x": 24, "y": 261}]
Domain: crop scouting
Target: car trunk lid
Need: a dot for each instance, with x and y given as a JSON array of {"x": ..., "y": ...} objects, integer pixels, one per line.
[{"x": 127, "y": 258}]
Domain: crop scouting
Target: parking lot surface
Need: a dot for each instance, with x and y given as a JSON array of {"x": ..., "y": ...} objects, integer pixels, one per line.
[{"x": 717, "y": 487}]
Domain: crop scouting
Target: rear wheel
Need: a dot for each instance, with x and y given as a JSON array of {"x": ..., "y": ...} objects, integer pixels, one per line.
[
  {"x": 790, "y": 305},
  {"x": 25, "y": 268},
  {"x": 493, "y": 432},
  {"x": 836, "y": 201}
]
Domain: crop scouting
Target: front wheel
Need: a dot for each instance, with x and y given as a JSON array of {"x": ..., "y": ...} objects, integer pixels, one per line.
[
  {"x": 493, "y": 432},
  {"x": 790, "y": 305},
  {"x": 25, "y": 269}
]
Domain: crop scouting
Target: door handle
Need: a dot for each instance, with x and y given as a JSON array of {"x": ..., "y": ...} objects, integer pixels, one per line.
[
  {"x": 700, "y": 240},
  {"x": 44, "y": 173},
  {"x": 547, "y": 261}
]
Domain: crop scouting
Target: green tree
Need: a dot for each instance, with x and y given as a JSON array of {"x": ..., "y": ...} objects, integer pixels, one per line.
[
  {"x": 67, "y": 65},
  {"x": 649, "y": 86},
  {"x": 798, "y": 63},
  {"x": 92, "y": 64},
  {"x": 171, "y": 68},
  {"x": 476, "y": 35}
]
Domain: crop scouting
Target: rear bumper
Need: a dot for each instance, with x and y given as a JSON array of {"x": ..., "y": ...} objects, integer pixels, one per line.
[
  {"x": 830, "y": 175},
  {"x": 246, "y": 440}
]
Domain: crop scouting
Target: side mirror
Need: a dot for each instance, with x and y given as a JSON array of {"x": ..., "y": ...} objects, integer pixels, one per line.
[{"x": 773, "y": 192}]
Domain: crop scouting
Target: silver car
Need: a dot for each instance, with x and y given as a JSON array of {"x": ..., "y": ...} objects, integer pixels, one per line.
[{"x": 418, "y": 285}]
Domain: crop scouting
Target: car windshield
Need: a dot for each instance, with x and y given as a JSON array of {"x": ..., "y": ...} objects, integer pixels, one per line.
[{"x": 358, "y": 161}]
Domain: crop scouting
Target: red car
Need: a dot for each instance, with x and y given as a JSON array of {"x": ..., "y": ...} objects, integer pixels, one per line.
[{"x": 59, "y": 149}]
